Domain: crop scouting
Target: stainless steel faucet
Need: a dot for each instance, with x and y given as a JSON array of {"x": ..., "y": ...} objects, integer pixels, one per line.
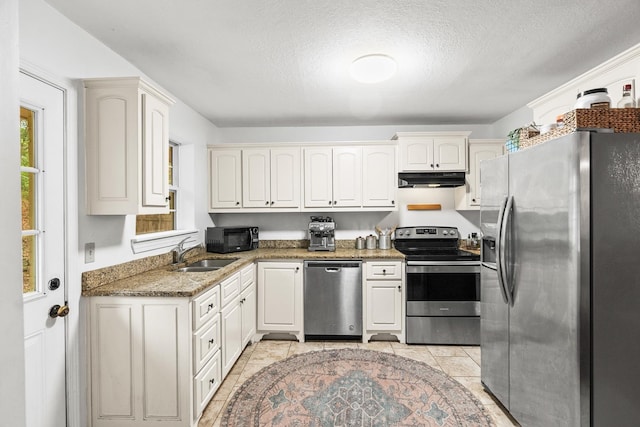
[{"x": 179, "y": 251}]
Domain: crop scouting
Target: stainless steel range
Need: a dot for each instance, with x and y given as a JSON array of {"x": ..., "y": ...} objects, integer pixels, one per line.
[{"x": 443, "y": 287}]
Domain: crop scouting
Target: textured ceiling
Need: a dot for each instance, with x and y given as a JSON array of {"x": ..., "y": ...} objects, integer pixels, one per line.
[{"x": 286, "y": 62}]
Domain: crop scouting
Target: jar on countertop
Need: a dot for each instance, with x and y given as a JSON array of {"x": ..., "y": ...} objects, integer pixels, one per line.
[
  {"x": 593, "y": 98},
  {"x": 360, "y": 243},
  {"x": 372, "y": 242}
]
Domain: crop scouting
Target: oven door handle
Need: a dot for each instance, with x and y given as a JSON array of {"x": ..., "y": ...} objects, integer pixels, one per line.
[
  {"x": 499, "y": 270},
  {"x": 444, "y": 268}
]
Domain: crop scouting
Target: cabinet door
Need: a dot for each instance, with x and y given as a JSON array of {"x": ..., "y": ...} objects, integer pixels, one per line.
[
  {"x": 256, "y": 176},
  {"x": 384, "y": 305},
  {"x": 379, "y": 180},
  {"x": 318, "y": 177},
  {"x": 225, "y": 178},
  {"x": 285, "y": 177},
  {"x": 248, "y": 306},
  {"x": 449, "y": 153},
  {"x": 478, "y": 153},
  {"x": 155, "y": 152},
  {"x": 140, "y": 360},
  {"x": 347, "y": 177},
  {"x": 231, "y": 320},
  {"x": 280, "y": 296},
  {"x": 417, "y": 154}
]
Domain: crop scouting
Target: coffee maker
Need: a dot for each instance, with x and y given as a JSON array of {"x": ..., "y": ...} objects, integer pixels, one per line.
[{"x": 322, "y": 234}]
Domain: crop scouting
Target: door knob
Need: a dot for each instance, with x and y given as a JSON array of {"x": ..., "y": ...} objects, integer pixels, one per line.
[{"x": 58, "y": 311}]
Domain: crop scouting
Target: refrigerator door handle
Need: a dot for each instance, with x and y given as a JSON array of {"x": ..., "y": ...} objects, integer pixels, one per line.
[
  {"x": 502, "y": 261},
  {"x": 501, "y": 281}
]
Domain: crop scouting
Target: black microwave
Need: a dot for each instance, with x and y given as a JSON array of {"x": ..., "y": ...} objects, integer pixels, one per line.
[{"x": 223, "y": 240}]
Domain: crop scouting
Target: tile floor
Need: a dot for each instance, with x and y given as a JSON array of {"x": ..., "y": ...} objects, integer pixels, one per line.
[{"x": 460, "y": 362}]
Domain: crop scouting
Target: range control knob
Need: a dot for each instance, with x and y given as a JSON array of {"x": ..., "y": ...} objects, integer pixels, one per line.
[{"x": 445, "y": 232}]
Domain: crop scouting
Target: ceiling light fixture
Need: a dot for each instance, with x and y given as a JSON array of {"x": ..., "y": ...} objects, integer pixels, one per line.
[{"x": 374, "y": 68}]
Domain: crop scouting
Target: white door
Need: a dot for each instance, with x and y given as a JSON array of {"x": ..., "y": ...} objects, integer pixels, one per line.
[
  {"x": 347, "y": 177},
  {"x": 225, "y": 179},
  {"x": 318, "y": 182},
  {"x": 379, "y": 178},
  {"x": 285, "y": 177},
  {"x": 256, "y": 175},
  {"x": 449, "y": 154},
  {"x": 43, "y": 250}
]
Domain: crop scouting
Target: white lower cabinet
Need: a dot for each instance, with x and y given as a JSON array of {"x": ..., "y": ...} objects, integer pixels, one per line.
[
  {"x": 140, "y": 367},
  {"x": 160, "y": 360},
  {"x": 383, "y": 299},
  {"x": 280, "y": 295}
]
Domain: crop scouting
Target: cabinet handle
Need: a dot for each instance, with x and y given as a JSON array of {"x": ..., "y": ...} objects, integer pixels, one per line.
[
  {"x": 212, "y": 381},
  {"x": 209, "y": 307},
  {"x": 211, "y": 341}
]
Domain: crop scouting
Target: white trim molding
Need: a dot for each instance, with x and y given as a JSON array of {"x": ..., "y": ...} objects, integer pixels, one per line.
[
  {"x": 166, "y": 239},
  {"x": 611, "y": 74}
]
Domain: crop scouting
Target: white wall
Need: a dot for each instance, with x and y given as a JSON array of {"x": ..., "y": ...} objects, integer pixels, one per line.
[
  {"x": 53, "y": 43},
  {"x": 517, "y": 119},
  {"x": 12, "y": 391}
]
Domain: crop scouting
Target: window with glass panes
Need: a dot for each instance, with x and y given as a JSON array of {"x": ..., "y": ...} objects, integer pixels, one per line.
[{"x": 146, "y": 224}]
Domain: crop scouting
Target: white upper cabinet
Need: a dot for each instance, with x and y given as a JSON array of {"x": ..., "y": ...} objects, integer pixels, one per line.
[
  {"x": 379, "y": 176},
  {"x": 333, "y": 177},
  {"x": 271, "y": 177},
  {"x": 468, "y": 196},
  {"x": 433, "y": 151},
  {"x": 127, "y": 147},
  {"x": 225, "y": 178}
]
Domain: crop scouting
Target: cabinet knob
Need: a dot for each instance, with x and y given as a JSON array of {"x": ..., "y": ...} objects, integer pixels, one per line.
[
  {"x": 272, "y": 202},
  {"x": 211, "y": 341},
  {"x": 266, "y": 203},
  {"x": 335, "y": 202},
  {"x": 473, "y": 200},
  {"x": 209, "y": 307},
  {"x": 384, "y": 272},
  {"x": 399, "y": 288},
  {"x": 393, "y": 202},
  {"x": 431, "y": 165},
  {"x": 166, "y": 199},
  {"x": 212, "y": 381},
  {"x": 237, "y": 203},
  {"x": 437, "y": 165},
  {"x": 329, "y": 201},
  {"x": 297, "y": 268}
]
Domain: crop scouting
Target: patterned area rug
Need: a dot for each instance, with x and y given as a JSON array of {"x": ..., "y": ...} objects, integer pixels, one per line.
[{"x": 353, "y": 387}]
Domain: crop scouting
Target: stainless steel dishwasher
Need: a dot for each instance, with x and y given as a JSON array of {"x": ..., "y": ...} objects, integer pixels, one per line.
[{"x": 332, "y": 299}]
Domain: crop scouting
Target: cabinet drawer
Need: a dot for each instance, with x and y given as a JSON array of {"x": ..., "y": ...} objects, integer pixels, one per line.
[
  {"x": 384, "y": 270},
  {"x": 248, "y": 275},
  {"x": 229, "y": 289},
  {"x": 206, "y": 341},
  {"x": 206, "y": 306},
  {"x": 205, "y": 384}
]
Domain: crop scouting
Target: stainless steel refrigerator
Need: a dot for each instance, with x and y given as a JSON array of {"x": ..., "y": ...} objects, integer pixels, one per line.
[{"x": 560, "y": 281}]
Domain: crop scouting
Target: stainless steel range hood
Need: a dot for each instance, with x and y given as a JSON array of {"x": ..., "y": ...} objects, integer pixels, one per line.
[{"x": 430, "y": 179}]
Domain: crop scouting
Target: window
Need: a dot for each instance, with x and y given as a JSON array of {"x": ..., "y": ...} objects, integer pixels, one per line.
[
  {"x": 28, "y": 186},
  {"x": 146, "y": 224}
]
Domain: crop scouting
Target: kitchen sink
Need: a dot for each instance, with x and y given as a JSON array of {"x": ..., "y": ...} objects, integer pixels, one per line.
[
  {"x": 212, "y": 263},
  {"x": 196, "y": 269},
  {"x": 205, "y": 265}
]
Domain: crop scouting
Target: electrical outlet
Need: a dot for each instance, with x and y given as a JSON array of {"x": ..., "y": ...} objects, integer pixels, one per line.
[{"x": 89, "y": 252}]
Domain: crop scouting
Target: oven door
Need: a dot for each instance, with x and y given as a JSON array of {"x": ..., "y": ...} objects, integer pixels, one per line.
[{"x": 443, "y": 288}]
